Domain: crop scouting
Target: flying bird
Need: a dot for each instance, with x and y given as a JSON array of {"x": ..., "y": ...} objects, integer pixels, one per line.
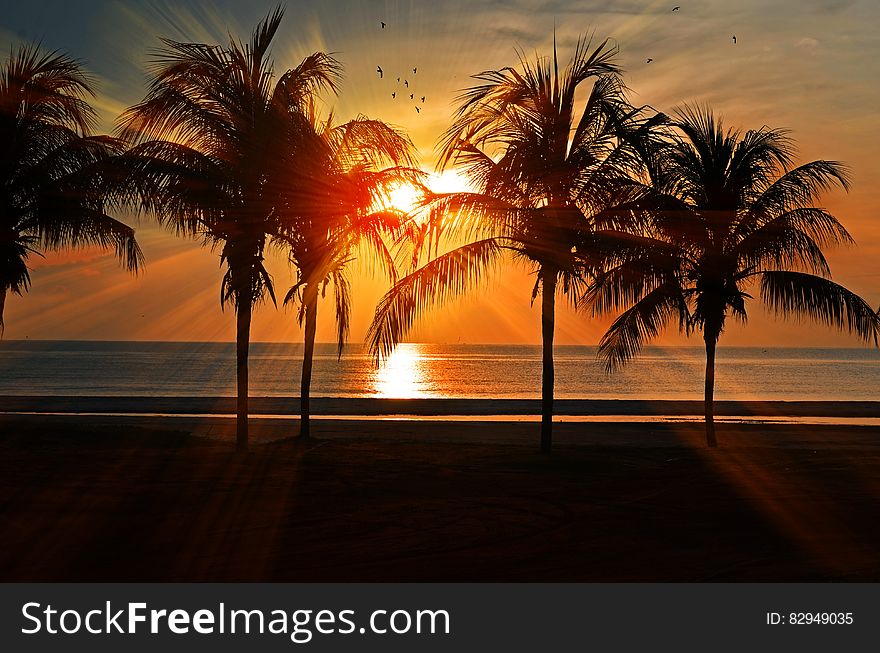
[
  {"x": 676, "y": 8},
  {"x": 379, "y": 70},
  {"x": 649, "y": 61},
  {"x": 411, "y": 96},
  {"x": 393, "y": 95},
  {"x": 383, "y": 24},
  {"x": 398, "y": 80},
  {"x": 418, "y": 110},
  {"x": 423, "y": 99},
  {"x": 414, "y": 70},
  {"x": 406, "y": 81},
  {"x": 734, "y": 39}
]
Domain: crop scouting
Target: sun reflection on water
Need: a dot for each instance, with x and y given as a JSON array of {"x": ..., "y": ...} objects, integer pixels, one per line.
[{"x": 403, "y": 375}]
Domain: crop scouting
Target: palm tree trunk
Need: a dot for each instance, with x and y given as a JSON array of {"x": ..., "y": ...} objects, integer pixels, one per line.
[
  {"x": 711, "y": 340},
  {"x": 548, "y": 323},
  {"x": 243, "y": 336},
  {"x": 3, "y": 291},
  {"x": 310, "y": 297}
]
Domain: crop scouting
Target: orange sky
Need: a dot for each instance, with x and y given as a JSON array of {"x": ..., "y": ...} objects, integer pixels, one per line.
[{"x": 811, "y": 66}]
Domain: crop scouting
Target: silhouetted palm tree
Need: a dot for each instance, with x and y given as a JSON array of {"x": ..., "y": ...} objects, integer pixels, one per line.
[
  {"x": 334, "y": 209},
  {"x": 543, "y": 166},
  {"x": 728, "y": 210},
  {"x": 215, "y": 151},
  {"x": 51, "y": 167}
]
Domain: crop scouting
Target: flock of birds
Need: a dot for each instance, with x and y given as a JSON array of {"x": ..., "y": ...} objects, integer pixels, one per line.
[
  {"x": 678, "y": 8},
  {"x": 412, "y": 96}
]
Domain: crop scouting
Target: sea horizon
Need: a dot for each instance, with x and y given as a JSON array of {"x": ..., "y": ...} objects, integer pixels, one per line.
[
  {"x": 432, "y": 370},
  {"x": 351, "y": 345}
]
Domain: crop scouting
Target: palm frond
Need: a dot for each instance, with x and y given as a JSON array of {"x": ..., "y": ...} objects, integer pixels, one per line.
[
  {"x": 796, "y": 294},
  {"x": 41, "y": 87},
  {"x": 371, "y": 144},
  {"x": 54, "y": 173},
  {"x": 342, "y": 295},
  {"x": 444, "y": 277},
  {"x": 628, "y": 267},
  {"x": 797, "y": 188},
  {"x": 794, "y": 239},
  {"x": 640, "y": 323},
  {"x": 14, "y": 271},
  {"x": 316, "y": 73}
]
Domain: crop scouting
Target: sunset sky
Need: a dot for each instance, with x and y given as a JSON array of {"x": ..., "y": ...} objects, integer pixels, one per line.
[{"x": 808, "y": 65}]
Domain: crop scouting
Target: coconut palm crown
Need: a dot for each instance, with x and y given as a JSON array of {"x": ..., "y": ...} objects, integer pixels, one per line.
[
  {"x": 728, "y": 210},
  {"x": 52, "y": 167}
]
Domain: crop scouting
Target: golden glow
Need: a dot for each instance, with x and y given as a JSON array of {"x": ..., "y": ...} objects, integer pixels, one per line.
[
  {"x": 449, "y": 181},
  {"x": 760, "y": 479},
  {"x": 760, "y": 80},
  {"x": 403, "y": 374},
  {"x": 404, "y": 197}
]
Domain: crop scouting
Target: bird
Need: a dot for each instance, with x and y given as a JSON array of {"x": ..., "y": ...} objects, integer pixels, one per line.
[
  {"x": 411, "y": 96},
  {"x": 414, "y": 70},
  {"x": 649, "y": 60},
  {"x": 383, "y": 24},
  {"x": 398, "y": 80},
  {"x": 393, "y": 95},
  {"x": 676, "y": 8},
  {"x": 734, "y": 39},
  {"x": 379, "y": 70},
  {"x": 423, "y": 99},
  {"x": 418, "y": 110},
  {"x": 406, "y": 81}
]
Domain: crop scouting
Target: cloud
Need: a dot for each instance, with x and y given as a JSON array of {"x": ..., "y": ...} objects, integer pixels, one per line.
[
  {"x": 807, "y": 43},
  {"x": 516, "y": 35},
  {"x": 826, "y": 7},
  {"x": 566, "y": 7}
]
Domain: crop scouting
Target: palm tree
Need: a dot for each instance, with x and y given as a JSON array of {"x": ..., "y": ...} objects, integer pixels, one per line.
[
  {"x": 335, "y": 208},
  {"x": 51, "y": 167},
  {"x": 729, "y": 209},
  {"x": 542, "y": 166},
  {"x": 215, "y": 150}
]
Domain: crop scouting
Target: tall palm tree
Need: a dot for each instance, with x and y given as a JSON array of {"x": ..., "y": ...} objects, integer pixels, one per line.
[
  {"x": 729, "y": 209},
  {"x": 334, "y": 210},
  {"x": 51, "y": 167},
  {"x": 215, "y": 150},
  {"x": 543, "y": 165}
]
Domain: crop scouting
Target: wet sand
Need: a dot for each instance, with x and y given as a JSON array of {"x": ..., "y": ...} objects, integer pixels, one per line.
[
  {"x": 372, "y": 406},
  {"x": 160, "y": 499}
]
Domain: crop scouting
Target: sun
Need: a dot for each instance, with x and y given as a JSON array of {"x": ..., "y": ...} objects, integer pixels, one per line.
[
  {"x": 404, "y": 197},
  {"x": 449, "y": 181},
  {"x": 407, "y": 198}
]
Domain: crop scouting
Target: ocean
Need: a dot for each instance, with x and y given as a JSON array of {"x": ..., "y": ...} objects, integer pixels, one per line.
[{"x": 168, "y": 369}]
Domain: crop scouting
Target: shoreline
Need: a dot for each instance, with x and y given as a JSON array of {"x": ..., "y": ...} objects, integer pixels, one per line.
[
  {"x": 439, "y": 407},
  {"x": 266, "y": 430}
]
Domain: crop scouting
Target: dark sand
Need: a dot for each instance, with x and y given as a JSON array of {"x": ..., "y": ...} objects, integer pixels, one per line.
[
  {"x": 373, "y": 406},
  {"x": 143, "y": 499}
]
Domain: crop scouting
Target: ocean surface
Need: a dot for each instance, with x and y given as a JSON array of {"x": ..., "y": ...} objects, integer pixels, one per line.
[{"x": 148, "y": 369}]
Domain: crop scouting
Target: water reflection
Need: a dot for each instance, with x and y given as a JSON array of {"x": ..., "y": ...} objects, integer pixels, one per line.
[{"x": 404, "y": 374}]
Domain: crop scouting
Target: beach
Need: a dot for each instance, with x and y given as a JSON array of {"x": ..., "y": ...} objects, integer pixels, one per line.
[{"x": 165, "y": 498}]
